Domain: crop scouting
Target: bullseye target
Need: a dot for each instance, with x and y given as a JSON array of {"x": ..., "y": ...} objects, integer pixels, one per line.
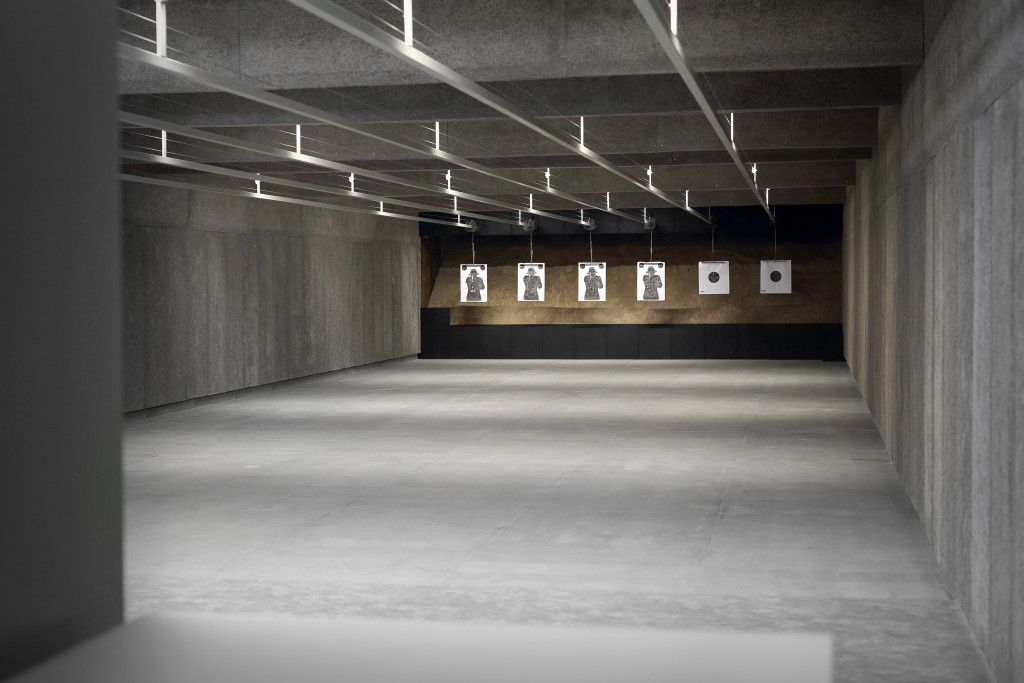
[
  {"x": 714, "y": 277},
  {"x": 776, "y": 277}
]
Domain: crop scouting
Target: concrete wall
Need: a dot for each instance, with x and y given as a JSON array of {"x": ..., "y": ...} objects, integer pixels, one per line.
[
  {"x": 223, "y": 293},
  {"x": 60, "y": 387},
  {"x": 934, "y": 257},
  {"x": 869, "y": 274}
]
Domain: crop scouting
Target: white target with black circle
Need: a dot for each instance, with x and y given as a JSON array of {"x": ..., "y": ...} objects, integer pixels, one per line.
[
  {"x": 531, "y": 281},
  {"x": 714, "y": 277},
  {"x": 591, "y": 281},
  {"x": 776, "y": 277},
  {"x": 650, "y": 281},
  {"x": 473, "y": 283}
]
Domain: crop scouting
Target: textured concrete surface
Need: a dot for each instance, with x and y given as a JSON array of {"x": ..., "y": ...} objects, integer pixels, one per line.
[
  {"x": 753, "y": 496},
  {"x": 816, "y": 297},
  {"x": 60, "y": 387},
  {"x": 498, "y": 138},
  {"x": 273, "y": 42},
  {"x": 568, "y": 97},
  {"x": 222, "y": 293},
  {"x": 934, "y": 297},
  {"x": 803, "y": 80}
]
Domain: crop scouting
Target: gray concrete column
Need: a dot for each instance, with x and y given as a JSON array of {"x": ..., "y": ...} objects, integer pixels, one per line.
[{"x": 60, "y": 432}]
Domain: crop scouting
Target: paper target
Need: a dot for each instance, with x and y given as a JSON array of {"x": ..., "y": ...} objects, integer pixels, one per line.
[
  {"x": 714, "y": 277},
  {"x": 473, "y": 283},
  {"x": 590, "y": 281},
  {"x": 531, "y": 281},
  {"x": 776, "y": 277},
  {"x": 650, "y": 281}
]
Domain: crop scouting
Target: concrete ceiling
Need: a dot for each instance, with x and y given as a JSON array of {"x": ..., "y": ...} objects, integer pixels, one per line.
[{"x": 804, "y": 79}]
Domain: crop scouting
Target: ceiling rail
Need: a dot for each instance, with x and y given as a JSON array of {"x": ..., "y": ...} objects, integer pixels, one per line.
[
  {"x": 287, "y": 182},
  {"x": 358, "y": 27},
  {"x": 129, "y": 177},
  {"x": 269, "y": 150},
  {"x": 139, "y": 56},
  {"x": 674, "y": 49}
]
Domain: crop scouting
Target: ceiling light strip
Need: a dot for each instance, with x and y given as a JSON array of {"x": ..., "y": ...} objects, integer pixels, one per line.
[
  {"x": 269, "y": 150},
  {"x": 277, "y": 198},
  {"x": 233, "y": 173},
  {"x": 350, "y": 23},
  {"x": 139, "y": 56},
  {"x": 674, "y": 49}
]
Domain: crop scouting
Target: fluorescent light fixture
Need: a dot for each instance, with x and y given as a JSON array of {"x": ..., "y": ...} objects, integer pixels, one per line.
[
  {"x": 407, "y": 16},
  {"x": 161, "y": 28}
]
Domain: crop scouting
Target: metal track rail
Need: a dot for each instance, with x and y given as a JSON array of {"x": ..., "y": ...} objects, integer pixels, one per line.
[
  {"x": 276, "y": 198},
  {"x": 227, "y": 85},
  {"x": 674, "y": 49},
  {"x": 358, "y": 27},
  {"x": 272, "y": 180},
  {"x": 269, "y": 150}
]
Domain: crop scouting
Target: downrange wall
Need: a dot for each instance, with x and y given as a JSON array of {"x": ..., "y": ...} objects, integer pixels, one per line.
[
  {"x": 933, "y": 314},
  {"x": 223, "y": 293},
  {"x": 743, "y": 324}
]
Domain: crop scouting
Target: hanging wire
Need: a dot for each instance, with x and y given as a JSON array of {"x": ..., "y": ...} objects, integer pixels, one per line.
[
  {"x": 310, "y": 139},
  {"x": 472, "y": 244},
  {"x": 531, "y": 246},
  {"x": 342, "y": 178},
  {"x": 590, "y": 234},
  {"x": 652, "y": 245},
  {"x": 312, "y": 142}
]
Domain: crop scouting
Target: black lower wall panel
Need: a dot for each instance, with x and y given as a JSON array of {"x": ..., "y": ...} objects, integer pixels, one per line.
[
  {"x": 435, "y": 316},
  {"x": 526, "y": 341},
  {"x": 558, "y": 341},
  {"x": 788, "y": 342},
  {"x": 623, "y": 341},
  {"x": 495, "y": 341},
  {"x": 438, "y": 339},
  {"x": 754, "y": 341},
  {"x": 655, "y": 342},
  {"x": 434, "y": 341},
  {"x": 687, "y": 341},
  {"x": 721, "y": 341},
  {"x": 464, "y": 341},
  {"x": 826, "y": 343},
  {"x": 590, "y": 341}
]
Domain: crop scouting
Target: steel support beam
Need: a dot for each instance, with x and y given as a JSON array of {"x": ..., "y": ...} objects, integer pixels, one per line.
[
  {"x": 286, "y": 182},
  {"x": 355, "y": 25},
  {"x": 259, "y": 148},
  {"x": 652, "y": 13},
  {"x": 227, "y": 85},
  {"x": 277, "y": 198}
]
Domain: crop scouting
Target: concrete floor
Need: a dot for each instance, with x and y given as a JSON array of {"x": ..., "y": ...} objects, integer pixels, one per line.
[{"x": 751, "y": 495}]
